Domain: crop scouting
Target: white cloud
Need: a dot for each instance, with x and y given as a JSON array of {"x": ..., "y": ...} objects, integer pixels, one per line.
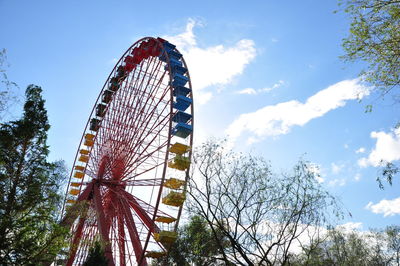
[
  {"x": 280, "y": 83},
  {"x": 337, "y": 182},
  {"x": 215, "y": 65},
  {"x": 252, "y": 91},
  {"x": 357, "y": 177},
  {"x": 360, "y": 150},
  {"x": 350, "y": 226},
  {"x": 203, "y": 97},
  {"x": 336, "y": 168},
  {"x": 274, "y": 120},
  {"x": 247, "y": 91},
  {"x": 387, "y": 207},
  {"x": 387, "y": 149},
  {"x": 346, "y": 146}
]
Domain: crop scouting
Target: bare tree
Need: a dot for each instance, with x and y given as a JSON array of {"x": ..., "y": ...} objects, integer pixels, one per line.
[{"x": 260, "y": 214}]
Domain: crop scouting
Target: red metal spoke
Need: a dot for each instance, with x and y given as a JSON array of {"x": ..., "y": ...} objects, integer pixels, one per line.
[
  {"x": 144, "y": 182},
  {"x": 117, "y": 123},
  {"x": 75, "y": 241},
  {"x": 142, "y": 214},
  {"x": 102, "y": 225},
  {"x": 121, "y": 236},
  {"x": 133, "y": 233}
]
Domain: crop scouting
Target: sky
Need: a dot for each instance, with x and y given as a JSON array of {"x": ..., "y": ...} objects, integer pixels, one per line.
[{"x": 266, "y": 76}]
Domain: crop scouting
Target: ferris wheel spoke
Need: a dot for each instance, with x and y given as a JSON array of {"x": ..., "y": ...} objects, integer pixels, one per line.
[
  {"x": 75, "y": 241},
  {"x": 141, "y": 213},
  {"x": 101, "y": 221},
  {"x": 141, "y": 158},
  {"x": 121, "y": 237},
  {"x": 144, "y": 182},
  {"x": 148, "y": 207},
  {"x": 149, "y": 131},
  {"x": 142, "y": 145},
  {"x": 74, "y": 211},
  {"x": 145, "y": 116},
  {"x": 110, "y": 211},
  {"x": 133, "y": 233},
  {"x": 118, "y": 103},
  {"x": 146, "y": 170},
  {"x": 136, "y": 165},
  {"x": 140, "y": 94}
]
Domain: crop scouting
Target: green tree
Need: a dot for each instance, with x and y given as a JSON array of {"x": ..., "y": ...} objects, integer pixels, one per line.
[
  {"x": 375, "y": 39},
  {"x": 195, "y": 245},
  {"x": 29, "y": 186},
  {"x": 393, "y": 242},
  {"x": 96, "y": 256},
  {"x": 342, "y": 247}
]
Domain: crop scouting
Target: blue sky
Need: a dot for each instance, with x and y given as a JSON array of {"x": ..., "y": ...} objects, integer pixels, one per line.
[{"x": 265, "y": 73}]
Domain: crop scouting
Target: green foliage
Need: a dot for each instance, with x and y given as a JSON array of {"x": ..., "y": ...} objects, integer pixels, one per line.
[
  {"x": 195, "y": 245},
  {"x": 96, "y": 256},
  {"x": 29, "y": 184},
  {"x": 387, "y": 172},
  {"x": 341, "y": 247},
  {"x": 374, "y": 38}
]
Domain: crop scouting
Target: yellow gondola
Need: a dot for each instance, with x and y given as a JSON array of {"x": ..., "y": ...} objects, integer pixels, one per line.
[
  {"x": 165, "y": 237},
  {"x": 83, "y": 158},
  {"x": 74, "y": 191},
  {"x": 84, "y": 152},
  {"x": 155, "y": 254},
  {"x": 179, "y": 148},
  {"x": 174, "y": 199},
  {"x": 79, "y": 168},
  {"x": 179, "y": 162},
  {"x": 79, "y": 175},
  {"x": 174, "y": 183},
  {"x": 165, "y": 219}
]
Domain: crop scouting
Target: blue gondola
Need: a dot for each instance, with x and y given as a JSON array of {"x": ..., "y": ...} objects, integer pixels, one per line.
[
  {"x": 182, "y": 102},
  {"x": 181, "y": 117},
  {"x": 182, "y": 130}
]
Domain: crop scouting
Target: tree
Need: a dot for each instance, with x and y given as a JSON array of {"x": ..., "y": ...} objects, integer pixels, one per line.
[
  {"x": 195, "y": 245},
  {"x": 393, "y": 242},
  {"x": 343, "y": 247},
  {"x": 375, "y": 38},
  {"x": 96, "y": 256},
  {"x": 7, "y": 87},
  {"x": 260, "y": 215},
  {"x": 29, "y": 183}
]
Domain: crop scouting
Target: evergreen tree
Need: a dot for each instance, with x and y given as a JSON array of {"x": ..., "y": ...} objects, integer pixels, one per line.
[{"x": 29, "y": 186}]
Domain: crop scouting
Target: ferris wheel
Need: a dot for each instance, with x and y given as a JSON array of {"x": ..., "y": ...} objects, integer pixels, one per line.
[{"x": 127, "y": 186}]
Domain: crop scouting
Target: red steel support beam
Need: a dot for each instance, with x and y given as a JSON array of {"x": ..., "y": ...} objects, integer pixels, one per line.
[
  {"x": 102, "y": 224},
  {"x": 121, "y": 237},
  {"x": 75, "y": 241},
  {"x": 141, "y": 213},
  {"x": 130, "y": 224}
]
